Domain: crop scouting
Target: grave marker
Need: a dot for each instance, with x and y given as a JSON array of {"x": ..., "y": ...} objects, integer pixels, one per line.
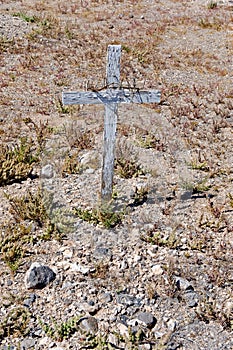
[{"x": 110, "y": 97}]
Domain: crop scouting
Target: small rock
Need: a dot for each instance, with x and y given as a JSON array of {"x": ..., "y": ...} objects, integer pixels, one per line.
[
  {"x": 80, "y": 268},
  {"x": 147, "y": 319},
  {"x": 106, "y": 298},
  {"x": 157, "y": 270},
  {"x": 29, "y": 301},
  {"x": 27, "y": 344},
  {"x": 123, "y": 330},
  {"x": 88, "y": 324},
  {"x": 137, "y": 258},
  {"x": 128, "y": 300},
  {"x": 183, "y": 284},
  {"x": 47, "y": 172},
  {"x": 38, "y": 276},
  {"x": 113, "y": 339},
  {"x": 144, "y": 347},
  {"x": 191, "y": 298},
  {"x": 67, "y": 253},
  {"x": 102, "y": 252},
  {"x": 44, "y": 341},
  {"x": 171, "y": 324},
  {"x": 123, "y": 265}
]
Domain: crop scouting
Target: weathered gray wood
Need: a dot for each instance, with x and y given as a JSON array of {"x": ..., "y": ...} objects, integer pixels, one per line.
[
  {"x": 110, "y": 121},
  {"x": 110, "y": 97},
  {"x": 116, "y": 96}
]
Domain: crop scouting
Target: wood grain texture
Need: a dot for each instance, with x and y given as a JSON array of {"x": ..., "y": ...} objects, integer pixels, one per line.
[
  {"x": 110, "y": 98},
  {"x": 110, "y": 122}
]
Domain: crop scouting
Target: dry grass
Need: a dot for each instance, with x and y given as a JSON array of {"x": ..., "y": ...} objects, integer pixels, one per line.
[{"x": 186, "y": 54}]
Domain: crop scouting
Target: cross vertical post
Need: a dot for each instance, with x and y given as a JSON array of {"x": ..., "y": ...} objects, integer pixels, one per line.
[
  {"x": 110, "y": 122},
  {"x": 110, "y": 98}
]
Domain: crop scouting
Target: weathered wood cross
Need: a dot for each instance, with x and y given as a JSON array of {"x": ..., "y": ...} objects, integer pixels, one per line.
[{"x": 110, "y": 97}]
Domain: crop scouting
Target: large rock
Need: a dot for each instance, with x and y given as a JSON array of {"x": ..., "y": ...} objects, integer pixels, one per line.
[{"x": 38, "y": 276}]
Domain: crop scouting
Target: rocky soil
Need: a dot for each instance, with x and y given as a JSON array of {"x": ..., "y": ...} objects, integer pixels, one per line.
[{"x": 162, "y": 277}]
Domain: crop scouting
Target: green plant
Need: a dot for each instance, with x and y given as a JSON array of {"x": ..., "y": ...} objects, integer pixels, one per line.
[
  {"x": 16, "y": 161},
  {"x": 71, "y": 164},
  {"x": 5, "y": 43},
  {"x": 139, "y": 196},
  {"x": 29, "y": 207},
  {"x": 126, "y": 163},
  {"x": 230, "y": 196},
  {"x": 208, "y": 310},
  {"x": 15, "y": 323},
  {"x": 12, "y": 243},
  {"x": 62, "y": 108},
  {"x": 212, "y": 4},
  {"x": 127, "y": 168},
  {"x": 41, "y": 208},
  {"x": 25, "y": 17},
  {"x": 60, "y": 331},
  {"x": 12, "y": 257},
  {"x": 195, "y": 165},
  {"x": 98, "y": 342},
  {"x": 42, "y": 130},
  {"x": 155, "y": 236},
  {"x": 148, "y": 140},
  {"x": 198, "y": 187},
  {"x": 104, "y": 216}
]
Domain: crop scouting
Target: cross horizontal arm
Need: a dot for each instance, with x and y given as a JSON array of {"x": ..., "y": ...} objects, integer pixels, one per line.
[{"x": 111, "y": 96}]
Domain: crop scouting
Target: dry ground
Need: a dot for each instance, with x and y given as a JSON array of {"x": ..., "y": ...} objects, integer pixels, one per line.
[{"x": 184, "y": 144}]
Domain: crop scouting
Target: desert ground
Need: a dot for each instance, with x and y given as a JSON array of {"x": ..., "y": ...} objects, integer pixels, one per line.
[{"x": 153, "y": 267}]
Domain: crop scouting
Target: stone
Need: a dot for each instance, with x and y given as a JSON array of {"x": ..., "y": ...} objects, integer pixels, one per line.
[
  {"x": 146, "y": 319},
  {"x": 39, "y": 276},
  {"x": 123, "y": 330},
  {"x": 47, "y": 171},
  {"x": 171, "y": 325},
  {"x": 88, "y": 324},
  {"x": 191, "y": 298},
  {"x": 157, "y": 270},
  {"x": 102, "y": 252},
  {"x": 80, "y": 268},
  {"x": 105, "y": 297},
  {"x": 183, "y": 284},
  {"x": 128, "y": 300},
  {"x": 29, "y": 301},
  {"x": 27, "y": 344}
]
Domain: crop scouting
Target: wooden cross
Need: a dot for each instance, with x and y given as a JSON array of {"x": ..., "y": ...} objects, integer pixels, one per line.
[{"x": 110, "y": 97}]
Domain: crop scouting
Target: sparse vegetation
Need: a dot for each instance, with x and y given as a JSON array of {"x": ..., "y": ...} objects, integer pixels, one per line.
[
  {"x": 183, "y": 213},
  {"x": 15, "y": 323},
  {"x": 104, "y": 216},
  {"x": 60, "y": 331},
  {"x": 16, "y": 161},
  {"x": 126, "y": 163}
]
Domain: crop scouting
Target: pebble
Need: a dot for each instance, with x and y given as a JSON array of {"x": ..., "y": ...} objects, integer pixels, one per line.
[
  {"x": 29, "y": 301},
  {"x": 191, "y": 298},
  {"x": 80, "y": 268},
  {"x": 127, "y": 300},
  {"x": 106, "y": 298},
  {"x": 47, "y": 171},
  {"x": 27, "y": 344},
  {"x": 123, "y": 329},
  {"x": 183, "y": 284},
  {"x": 38, "y": 276},
  {"x": 88, "y": 324},
  {"x": 157, "y": 270},
  {"x": 146, "y": 319}
]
